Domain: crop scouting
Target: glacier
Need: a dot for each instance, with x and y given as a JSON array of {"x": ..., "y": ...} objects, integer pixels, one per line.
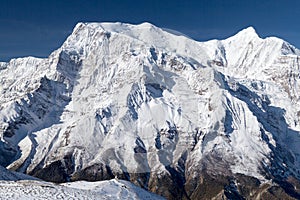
[{"x": 158, "y": 109}]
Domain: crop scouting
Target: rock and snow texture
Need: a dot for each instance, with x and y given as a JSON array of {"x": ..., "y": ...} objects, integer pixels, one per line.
[
  {"x": 149, "y": 106},
  {"x": 106, "y": 190}
]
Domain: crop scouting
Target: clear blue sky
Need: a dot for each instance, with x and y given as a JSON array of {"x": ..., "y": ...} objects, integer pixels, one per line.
[{"x": 37, "y": 27}]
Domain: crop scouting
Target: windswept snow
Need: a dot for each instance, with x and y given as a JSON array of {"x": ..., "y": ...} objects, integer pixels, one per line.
[{"x": 106, "y": 190}]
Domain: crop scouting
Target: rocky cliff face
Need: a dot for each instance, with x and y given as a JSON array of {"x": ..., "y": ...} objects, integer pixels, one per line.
[{"x": 181, "y": 118}]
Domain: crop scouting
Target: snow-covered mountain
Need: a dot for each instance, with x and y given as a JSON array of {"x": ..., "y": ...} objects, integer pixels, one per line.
[{"x": 181, "y": 118}]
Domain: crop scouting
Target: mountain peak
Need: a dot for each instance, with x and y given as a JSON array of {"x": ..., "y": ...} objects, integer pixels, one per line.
[
  {"x": 246, "y": 34},
  {"x": 146, "y": 24},
  {"x": 249, "y": 31},
  {"x": 112, "y": 26}
]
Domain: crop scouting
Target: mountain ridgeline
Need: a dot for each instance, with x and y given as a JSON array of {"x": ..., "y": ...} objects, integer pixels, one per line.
[{"x": 181, "y": 118}]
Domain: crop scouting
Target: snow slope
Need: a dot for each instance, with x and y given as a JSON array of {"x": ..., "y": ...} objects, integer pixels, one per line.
[
  {"x": 6, "y": 175},
  {"x": 106, "y": 190},
  {"x": 139, "y": 102}
]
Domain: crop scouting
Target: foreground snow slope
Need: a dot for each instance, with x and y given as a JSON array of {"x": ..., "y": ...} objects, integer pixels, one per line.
[
  {"x": 106, "y": 190},
  {"x": 158, "y": 109}
]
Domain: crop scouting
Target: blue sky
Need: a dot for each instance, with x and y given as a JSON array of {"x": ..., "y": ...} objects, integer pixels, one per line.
[{"x": 37, "y": 27}]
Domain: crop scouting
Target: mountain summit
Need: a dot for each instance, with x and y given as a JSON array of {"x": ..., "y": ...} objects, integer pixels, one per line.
[
  {"x": 178, "y": 117},
  {"x": 248, "y": 32}
]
